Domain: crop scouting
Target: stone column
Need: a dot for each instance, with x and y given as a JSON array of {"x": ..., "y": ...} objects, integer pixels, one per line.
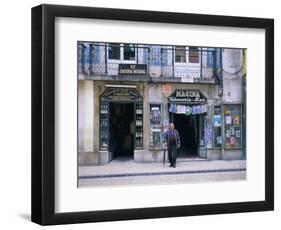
[
  {"x": 85, "y": 121},
  {"x": 232, "y": 66}
]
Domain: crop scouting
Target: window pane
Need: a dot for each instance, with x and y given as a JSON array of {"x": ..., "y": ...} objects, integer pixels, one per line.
[
  {"x": 217, "y": 137},
  {"x": 232, "y": 122},
  {"x": 155, "y": 125},
  {"x": 104, "y": 119},
  {"x": 217, "y": 126},
  {"x": 114, "y": 51},
  {"x": 193, "y": 55},
  {"x": 129, "y": 52},
  {"x": 139, "y": 126},
  {"x": 155, "y": 114},
  {"x": 180, "y": 54}
]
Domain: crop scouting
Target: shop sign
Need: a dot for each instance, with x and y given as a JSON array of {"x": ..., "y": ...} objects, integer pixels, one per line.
[
  {"x": 132, "y": 69},
  {"x": 121, "y": 94},
  {"x": 187, "y": 96}
]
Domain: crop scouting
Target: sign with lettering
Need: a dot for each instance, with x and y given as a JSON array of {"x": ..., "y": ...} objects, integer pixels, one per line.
[
  {"x": 121, "y": 94},
  {"x": 187, "y": 96},
  {"x": 132, "y": 69}
]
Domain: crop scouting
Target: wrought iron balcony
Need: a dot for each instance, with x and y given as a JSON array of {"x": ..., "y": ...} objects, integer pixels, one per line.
[{"x": 148, "y": 62}]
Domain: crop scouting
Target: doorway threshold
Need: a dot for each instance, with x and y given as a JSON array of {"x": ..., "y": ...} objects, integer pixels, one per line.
[
  {"x": 190, "y": 158},
  {"x": 122, "y": 158}
]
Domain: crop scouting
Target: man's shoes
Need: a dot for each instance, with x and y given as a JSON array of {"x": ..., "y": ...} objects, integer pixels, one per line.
[
  {"x": 171, "y": 166},
  {"x": 174, "y": 166}
]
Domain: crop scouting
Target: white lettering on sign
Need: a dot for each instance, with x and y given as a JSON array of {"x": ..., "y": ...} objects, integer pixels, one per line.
[
  {"x": 187, "y": 96},
  {"x": 187, "y": 93}
]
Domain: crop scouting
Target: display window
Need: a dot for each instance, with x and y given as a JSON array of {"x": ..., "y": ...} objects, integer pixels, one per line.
[
  {"x": 217, "y": 127},
  {"x": 155, "y": 125},
  {"x": 104, "y": 129},
  {"x": 233, "y": 126},
  {"x": 139, "y": 126}
]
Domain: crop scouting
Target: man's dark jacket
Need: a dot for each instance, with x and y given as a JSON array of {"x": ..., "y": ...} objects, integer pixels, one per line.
[{"x": 177, "y": 137}]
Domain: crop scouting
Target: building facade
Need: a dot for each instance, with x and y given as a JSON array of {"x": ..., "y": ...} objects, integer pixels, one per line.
[{"x": 129, "y": 93}]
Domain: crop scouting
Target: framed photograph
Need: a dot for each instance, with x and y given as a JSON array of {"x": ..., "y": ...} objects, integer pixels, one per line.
[{"x": 143, "y": 114}]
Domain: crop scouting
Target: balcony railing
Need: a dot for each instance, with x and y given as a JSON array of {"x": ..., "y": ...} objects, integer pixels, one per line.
[{"x": 100, "y": 59}]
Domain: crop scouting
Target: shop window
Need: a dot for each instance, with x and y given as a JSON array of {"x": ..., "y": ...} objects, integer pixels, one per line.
[
  {"x": 114, "y": 51},
  {"x": 217, "y": 138},
  {"x": 139, "y": 126},
  {"x": 180, "y": 54},
  {"x": 155, "y": 123},
  {"x": 205, "y": 136},
  {"x": 129, "y": 52},
  {"x": 104, "y": 135},
  {"x": 202, "y": 129},
  {"x": 193, "y": 55},
  {"x": 233, "y": 126}
]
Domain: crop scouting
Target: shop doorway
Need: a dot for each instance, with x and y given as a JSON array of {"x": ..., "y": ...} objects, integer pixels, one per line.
[
  {"x": 121, "y": 129},
  {"x": 188, "y": 128}
]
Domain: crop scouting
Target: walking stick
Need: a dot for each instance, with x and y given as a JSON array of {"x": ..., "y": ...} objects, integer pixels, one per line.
[{"x": 164, "y": 156}]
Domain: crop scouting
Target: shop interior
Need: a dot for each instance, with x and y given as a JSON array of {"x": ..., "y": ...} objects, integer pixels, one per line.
[
  {"x": 188, "y": 129},
  {"x": 121, "y": 129}
]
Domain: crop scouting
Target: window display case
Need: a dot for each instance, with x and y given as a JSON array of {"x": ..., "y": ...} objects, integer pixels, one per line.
[
  {"x": 204, "y": 136},
  {"x": 217, "y": 127},
  {"x": 139, "y": 126},
  {"x": 233, "y": 126},
  {"x": 155, "y": 125},
  {"x": 104, "y": 129}
]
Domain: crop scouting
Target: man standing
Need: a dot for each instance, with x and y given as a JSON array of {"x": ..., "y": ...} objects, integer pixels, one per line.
[{"x": 172, "y": 139}]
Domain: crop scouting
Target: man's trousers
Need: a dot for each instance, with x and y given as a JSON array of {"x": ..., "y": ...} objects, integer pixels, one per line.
[{"x": 172, "y": 154}]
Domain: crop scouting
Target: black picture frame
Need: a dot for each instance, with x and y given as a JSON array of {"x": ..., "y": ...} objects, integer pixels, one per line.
[{"x": 43, "y": 114}]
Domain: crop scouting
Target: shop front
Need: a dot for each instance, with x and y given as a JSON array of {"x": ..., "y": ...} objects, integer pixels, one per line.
[
  {"x": 132, "y": 124},
  {"x": 133, "y": 118},
  {"x": 128, "y": 121},
  {"x": 121, "y": 122},
  {"x": 188, "y": 110},
  {"x": 209, "y": 128}
]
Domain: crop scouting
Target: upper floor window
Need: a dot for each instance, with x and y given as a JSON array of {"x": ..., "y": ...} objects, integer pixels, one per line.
[
  {"x": 193, "y": 55},
  {"x": 114, "y": 51},
  {"x": 180, "y": 54},
  {"x": 129, "y": 52},
  {"x": 81, "y": 53}
]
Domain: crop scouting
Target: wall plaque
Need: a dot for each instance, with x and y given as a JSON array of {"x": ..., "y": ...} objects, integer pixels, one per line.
[{"x": 132, "y": 69}]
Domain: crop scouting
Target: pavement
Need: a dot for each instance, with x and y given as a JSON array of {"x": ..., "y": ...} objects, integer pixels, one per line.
[{"x": 124, "y": 171}]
